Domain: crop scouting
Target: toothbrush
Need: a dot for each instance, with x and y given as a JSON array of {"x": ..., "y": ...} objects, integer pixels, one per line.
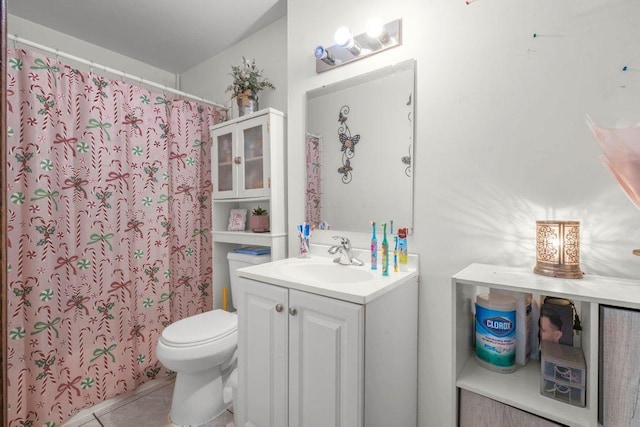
[
  {"x": 385, "y": 251},
  {"x": 374, "y": 247},
  {"x": 395, "y": 254}
]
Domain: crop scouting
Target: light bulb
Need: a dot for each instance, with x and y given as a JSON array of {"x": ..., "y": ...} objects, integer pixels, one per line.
[
  {"x": 322, "y": 54},
  {"x": 343, "y": 37},
  {"x": 376, "y": 30}
]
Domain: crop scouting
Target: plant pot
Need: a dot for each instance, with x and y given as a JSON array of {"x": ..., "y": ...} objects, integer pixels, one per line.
[
  {"x": 247, "y": 103},
  {"x": 259, "y": 223}
]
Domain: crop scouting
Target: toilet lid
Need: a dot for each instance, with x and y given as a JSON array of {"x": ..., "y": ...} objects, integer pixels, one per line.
[{"x": 200, "y": 328}]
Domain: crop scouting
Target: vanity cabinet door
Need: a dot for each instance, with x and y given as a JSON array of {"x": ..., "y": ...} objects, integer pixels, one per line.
[
  {"x": 620, "y": 367},
  {"x": 325, "y": 361},
  {"x": 262, "y": 354}
]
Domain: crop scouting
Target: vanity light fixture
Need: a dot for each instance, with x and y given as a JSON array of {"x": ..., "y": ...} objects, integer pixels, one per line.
[
  {"x": 558, "y": 249},
  {"x": 379, "y": 37}
]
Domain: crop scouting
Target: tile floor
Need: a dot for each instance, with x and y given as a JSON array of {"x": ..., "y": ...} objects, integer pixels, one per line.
[{"x": 147, "y": 410}]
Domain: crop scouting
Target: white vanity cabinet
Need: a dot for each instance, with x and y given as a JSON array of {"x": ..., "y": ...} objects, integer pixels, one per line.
[
  {"x": 521, "y": 389},
  {"x": 306, "y": 359}
]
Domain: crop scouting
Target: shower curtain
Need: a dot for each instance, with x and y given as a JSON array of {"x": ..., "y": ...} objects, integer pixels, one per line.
[
  {"x": 313, "y": 200},
  {"x": 109, "y": 216}
]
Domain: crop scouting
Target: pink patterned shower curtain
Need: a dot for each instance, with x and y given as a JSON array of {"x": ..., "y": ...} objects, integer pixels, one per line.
[
  {"x": 109, "y": 214},
  {"x": 313, "y": 202}
]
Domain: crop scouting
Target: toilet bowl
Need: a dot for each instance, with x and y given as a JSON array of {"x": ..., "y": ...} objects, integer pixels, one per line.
[{"x": 202, "y": 350}]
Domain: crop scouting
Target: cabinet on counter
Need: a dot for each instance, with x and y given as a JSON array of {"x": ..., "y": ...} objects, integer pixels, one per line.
[
  {"x": 307, "y": 359},
  {"x": 521, "y": 389}
]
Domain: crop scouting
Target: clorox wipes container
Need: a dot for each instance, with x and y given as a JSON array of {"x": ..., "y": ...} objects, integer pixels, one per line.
[{"x": 496, "y": 332}]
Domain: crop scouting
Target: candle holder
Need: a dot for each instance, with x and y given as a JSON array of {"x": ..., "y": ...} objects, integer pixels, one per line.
[{"x": 558, "y": 249}]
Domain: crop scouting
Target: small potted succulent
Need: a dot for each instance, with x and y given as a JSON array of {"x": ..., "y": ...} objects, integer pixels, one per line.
[
  {"x": 247, "y": 82},
  {"x": 259, "y": 222}
]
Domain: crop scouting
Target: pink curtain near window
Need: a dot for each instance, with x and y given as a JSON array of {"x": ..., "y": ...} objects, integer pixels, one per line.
[
  {"x": 313, "y": 202},
  {"x": 109, "y": 215}
]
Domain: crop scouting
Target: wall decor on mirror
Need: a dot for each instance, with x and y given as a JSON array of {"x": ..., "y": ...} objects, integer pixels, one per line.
[
  {"x": 237, "y": 219},
  {"x": 406, "y": 160},
  {"x": 382, "y": 181},
  {"x": 347, "y": 144}
]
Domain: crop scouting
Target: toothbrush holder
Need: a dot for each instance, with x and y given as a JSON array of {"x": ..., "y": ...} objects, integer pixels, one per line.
[{"x": 304, "y": 247}]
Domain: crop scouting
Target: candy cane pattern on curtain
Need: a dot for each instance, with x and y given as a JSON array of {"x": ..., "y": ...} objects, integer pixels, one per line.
[
  {"x": 109, "y": 218},
  {"x": 313, "y": 200}
]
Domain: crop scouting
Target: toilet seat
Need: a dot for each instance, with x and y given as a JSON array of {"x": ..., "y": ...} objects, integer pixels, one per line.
[{"x": 200, "y": 329}]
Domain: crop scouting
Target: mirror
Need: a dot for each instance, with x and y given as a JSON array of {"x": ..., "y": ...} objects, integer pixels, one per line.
[{"x": 359, "y": 150}]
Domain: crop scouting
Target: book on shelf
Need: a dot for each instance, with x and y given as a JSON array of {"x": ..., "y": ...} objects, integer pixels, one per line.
[{"x": 253, "y": 250}]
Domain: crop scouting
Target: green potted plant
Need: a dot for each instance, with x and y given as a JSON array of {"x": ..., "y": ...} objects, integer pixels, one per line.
[
  {"x": 247, "y": 82},
  {"x": 259, "y": 222}
]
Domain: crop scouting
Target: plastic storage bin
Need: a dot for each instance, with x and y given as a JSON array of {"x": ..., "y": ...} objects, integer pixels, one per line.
[{"x": 564, "y": 373}]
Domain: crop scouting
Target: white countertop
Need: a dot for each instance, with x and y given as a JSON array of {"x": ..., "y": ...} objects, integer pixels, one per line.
[{"x": 360, "y": 292}]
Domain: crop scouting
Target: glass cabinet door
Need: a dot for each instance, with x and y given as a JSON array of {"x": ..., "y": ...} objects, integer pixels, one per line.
[
  {"x": 223, "y": 170},
  {"x": 253, "y": 176}
]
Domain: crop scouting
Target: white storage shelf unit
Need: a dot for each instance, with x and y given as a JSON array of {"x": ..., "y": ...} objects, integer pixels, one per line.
[
  {"x": 521, "y": 389},
  {"x": 267, "y": 126}
]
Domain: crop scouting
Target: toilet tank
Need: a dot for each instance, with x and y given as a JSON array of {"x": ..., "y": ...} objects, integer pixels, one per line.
[{"x": 239, "y": 260}]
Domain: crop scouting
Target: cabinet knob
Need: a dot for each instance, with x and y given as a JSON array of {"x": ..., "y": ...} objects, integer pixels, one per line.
[
  {"x": 279, "y": 308},
  {"x": 237, "y": 160},
  {"x": 293, "y": 311}
]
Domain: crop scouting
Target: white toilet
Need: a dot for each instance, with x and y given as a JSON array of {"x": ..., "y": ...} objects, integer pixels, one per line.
[{"x": 202, "y": 350}]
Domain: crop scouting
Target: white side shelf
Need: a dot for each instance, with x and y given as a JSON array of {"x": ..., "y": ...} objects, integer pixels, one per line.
[
  {"x": 245, "y": 237},
  {"x": 521, "y": 389}
]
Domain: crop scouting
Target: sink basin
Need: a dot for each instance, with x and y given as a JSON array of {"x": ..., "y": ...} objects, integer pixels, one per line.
[{"x": 329, "y": 272}]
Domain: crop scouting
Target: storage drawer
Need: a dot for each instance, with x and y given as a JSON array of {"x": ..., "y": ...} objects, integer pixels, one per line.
[
  {"x": 572, "y": 376},
  {"x": 563, "y": 392}
]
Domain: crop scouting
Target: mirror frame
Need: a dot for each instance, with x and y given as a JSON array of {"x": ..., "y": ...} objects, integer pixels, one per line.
[{"x": 404, "y": 65}]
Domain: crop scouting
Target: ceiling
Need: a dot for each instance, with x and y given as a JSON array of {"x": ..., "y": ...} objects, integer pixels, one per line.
[{"x": 172, "y": 35}]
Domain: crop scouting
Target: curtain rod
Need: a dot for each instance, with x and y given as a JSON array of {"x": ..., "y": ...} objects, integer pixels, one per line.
[{"x": 110, "y": 70}]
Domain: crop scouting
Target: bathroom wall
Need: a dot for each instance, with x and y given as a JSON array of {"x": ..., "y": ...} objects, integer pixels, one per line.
[
  {"x": 64, "y": 43},
  {"x": 501, "y": 138},
  {"x": 268, "y": 47}
]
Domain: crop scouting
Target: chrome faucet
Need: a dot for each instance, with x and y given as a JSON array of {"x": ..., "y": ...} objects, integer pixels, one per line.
[{"x": 345, "y": 251}]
